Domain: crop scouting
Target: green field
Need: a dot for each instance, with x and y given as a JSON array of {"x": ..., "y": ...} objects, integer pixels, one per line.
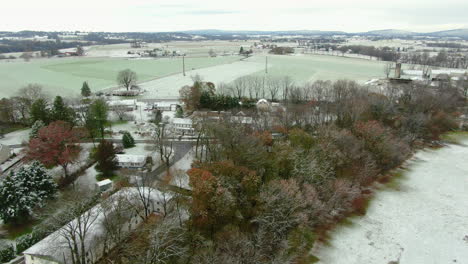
[
  {"x": 64, "y": 76},
  {"x": 304, "y": 68}
]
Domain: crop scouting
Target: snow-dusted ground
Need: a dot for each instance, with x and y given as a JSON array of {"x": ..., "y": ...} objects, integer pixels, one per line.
[
  {"x": 146, "y": 150},
  {"x": 87, "y": 181},
  {"x": 57, "y": 171},
  {"x": 15, "y": 138},
  {"x": 168, "y": 87},
  {"x": 182, "y": 180},
  {"x": 425, "y": 221}
]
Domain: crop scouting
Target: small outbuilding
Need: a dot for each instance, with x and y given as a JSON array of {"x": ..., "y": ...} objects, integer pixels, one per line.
[{"x": 5, "y": 153}]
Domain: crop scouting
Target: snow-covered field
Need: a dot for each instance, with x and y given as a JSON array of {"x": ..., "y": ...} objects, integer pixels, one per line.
[
  {"x": 65, "y": 76},
  {"x": 168, "y": 87},
  {"x": 425, "y": 221}
]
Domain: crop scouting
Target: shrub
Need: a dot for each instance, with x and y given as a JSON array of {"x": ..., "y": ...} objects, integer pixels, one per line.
[
  {"x": 127, "y": 140},
  {"x": 7, "y": 253},
  {"x": 26, "y": 241}
]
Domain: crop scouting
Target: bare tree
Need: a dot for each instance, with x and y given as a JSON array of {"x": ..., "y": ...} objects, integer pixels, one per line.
[
  {"x": 239, "y": 87},
  {"x": 158, "y": 242},
  {"x": 117, "y": 213},
  {"x": 121, "y": 112},
  {"x": 74, "y": 235},
  {"x": 144, "y": 196},
  {"x": 163, "y": 146},
  {"x": 127, "y": 78},
  {"x": 388, "y": 68},
  {"x": 286, "y": 84},
  {"x": 273, "y": 87}
]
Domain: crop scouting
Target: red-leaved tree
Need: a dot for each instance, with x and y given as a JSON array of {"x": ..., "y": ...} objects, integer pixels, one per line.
[{"x": 55, "y": 145}]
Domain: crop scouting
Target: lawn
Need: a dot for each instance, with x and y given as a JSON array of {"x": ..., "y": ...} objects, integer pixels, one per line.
[
  {"x": 65, "y": 76},
  {"x": 304, "y": 68}
]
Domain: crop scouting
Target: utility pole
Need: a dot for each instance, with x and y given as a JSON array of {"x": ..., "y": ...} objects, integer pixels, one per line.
[
  {"x": 266, "y": 64},
  {"x": 183, "y": 64}
]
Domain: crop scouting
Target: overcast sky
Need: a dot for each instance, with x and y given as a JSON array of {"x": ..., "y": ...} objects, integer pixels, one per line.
[{"x": 176, "y": 15}]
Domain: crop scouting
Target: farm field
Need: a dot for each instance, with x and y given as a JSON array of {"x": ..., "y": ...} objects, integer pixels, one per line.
[
  {"x": 190, "y": 48},
  {"x": 311, "y": 67},
  {"x": 168, "y": 87},
  {"x": 64, "y": 76},
  {"x": 420, "y": 218}
]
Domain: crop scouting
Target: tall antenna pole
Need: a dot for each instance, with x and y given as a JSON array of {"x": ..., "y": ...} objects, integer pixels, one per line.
[
  {"x": 266, "y": 64},
  {"x": 183, "y": 64}
]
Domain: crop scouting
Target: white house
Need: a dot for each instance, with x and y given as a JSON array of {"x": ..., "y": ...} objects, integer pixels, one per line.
[
  {"x": 5, "y": 153},
  {"x": 131, "y": 161},
  {"x": 165, "y": 106},
  {"x": 182, "y": 125},
  {"x": 55, "y": 248},
  {"x": 128, "y": 105}
]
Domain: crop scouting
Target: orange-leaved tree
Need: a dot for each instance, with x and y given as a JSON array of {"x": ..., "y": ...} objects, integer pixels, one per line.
[{"x": 55, "y": 145}]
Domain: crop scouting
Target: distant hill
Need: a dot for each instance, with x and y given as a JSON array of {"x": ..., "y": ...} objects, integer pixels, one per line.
[
  {"x": 462, "y": 33},
  {"x": 390, "y": 33},
  {"x": 257, "y": 32}
]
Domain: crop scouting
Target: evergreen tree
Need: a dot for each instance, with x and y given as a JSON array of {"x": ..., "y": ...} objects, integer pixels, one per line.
[
  {"x": 179, "y": 112},
  {"x": 85, "y": 90},
  {"x": 106, "y": 158},
  {"x": 35, "y": 128},
  {"x": 62, "y": 112},
  {"x": 24, "y": 190},
  {"x": 127, "y": 140},
  {"x": 40, "y": 111},
  {"x": 96, "y": 118},
  {"x": 241, "y": 51},
  {"x": 157, "y": 117}
]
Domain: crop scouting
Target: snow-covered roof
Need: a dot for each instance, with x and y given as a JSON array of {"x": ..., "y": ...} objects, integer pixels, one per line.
[
  {"x": 104, "y": 182},
  {"x": 55, "y": 245},
  {"x": 182, "y": 121},
  {"x": 449, "y": 71},
  {"x": 123, "y": 158},
  {"x": 412, "y": 72},
  {"x": 128, "y": 102},
  {"x": 165, "y": 104}
]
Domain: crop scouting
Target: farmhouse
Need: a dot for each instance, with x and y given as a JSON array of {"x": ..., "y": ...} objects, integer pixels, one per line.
[
  {"x": 165, "y": 106},
  {"x": 127, "y": 105},
  {"x": 182, "y": 126},
  {"x": 55, "y": 248},
  {"x": 242, "y": 118},
  {"x": 5, "y": 153},
  {"x": 131, "y": 161}
]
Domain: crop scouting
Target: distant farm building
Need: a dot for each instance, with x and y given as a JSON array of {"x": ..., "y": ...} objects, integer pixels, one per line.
[{"x": 263, "y": 105}]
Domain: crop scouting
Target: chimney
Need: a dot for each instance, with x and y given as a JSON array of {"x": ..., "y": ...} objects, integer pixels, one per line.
[{"x": 398, "y": 70}]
